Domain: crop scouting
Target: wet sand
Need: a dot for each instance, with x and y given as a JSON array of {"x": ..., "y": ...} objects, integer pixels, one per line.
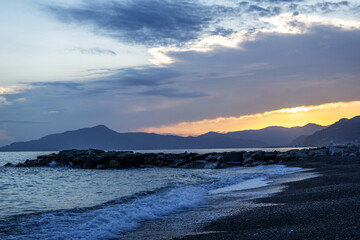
[
  {"x": 324, "y": 207},
  {"x": 193, "y": 223}
]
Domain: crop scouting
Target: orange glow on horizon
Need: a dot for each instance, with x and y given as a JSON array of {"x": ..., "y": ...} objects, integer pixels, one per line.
[{"x": 324, "y": 114}]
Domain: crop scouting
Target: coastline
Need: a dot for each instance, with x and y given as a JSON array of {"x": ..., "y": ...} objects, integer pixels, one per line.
[
  {"x": 192, "y": 223},
  {"x": 289, "y": 207},
  {"x": 318, "y": 203},
  {"x": 324, "y": 207}
]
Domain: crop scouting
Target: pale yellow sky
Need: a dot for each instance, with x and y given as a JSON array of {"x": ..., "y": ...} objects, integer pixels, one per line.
[{"x": 324, "y": 114}]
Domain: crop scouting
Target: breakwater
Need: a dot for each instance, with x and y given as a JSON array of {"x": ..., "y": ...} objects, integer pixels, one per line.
[{"x": 99, "y": 159}]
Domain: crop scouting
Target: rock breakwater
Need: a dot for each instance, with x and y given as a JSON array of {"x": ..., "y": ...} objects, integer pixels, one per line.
[{"x": 99, "y": 159}]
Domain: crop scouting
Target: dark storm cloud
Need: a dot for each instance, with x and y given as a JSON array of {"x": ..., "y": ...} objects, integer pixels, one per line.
[{"x": 142, "y": 21}]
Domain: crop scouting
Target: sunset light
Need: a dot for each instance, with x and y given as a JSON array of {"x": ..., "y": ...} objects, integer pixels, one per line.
[{"x": 324, "y": 114}]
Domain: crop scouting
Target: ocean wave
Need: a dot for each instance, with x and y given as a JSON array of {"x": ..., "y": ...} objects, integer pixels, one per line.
[{"x": 108, "y": 220}]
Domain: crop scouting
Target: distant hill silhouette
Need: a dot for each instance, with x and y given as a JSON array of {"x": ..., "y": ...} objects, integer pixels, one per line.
[
  {"x": 272, "y": 136},
  {"x": 342, "y": 132},
  {"x": 101, "y": 137}
]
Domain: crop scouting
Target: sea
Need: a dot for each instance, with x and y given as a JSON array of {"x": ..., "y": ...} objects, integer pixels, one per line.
[{"x": 66, "y": 203}]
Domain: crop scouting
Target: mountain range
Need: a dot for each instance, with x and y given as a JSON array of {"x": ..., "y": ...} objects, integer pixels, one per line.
[
  {"x": 342, "y": 132},
  {"x": 101, "y": 137}
]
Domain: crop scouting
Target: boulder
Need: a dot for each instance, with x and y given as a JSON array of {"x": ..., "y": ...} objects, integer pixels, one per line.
[
  {"x": 336, "y": 151},
  {"x": 198, "y": 164},
  {"x": 201, "y": 156},
  {"x": 178, "y": 162},
  {"x": 149, "y": 158},
  {"x": 212, "y": 165},
  {"x": 114, "y": 164},
  {"x": 257, "y": 163},
  {"x": 186, "y": 165},
  {"x": 211, "y": 158},
  {"x": 269, "y": 155},
  {"x": 234, "y": 163},
  {"x": 94, "y": 151},
  {"x": 234, "y": 156},
  {"x": 321, "y": 153},
  {"x": 221, "y": 158},
  {"x": 248, "y": 160},
  {"x": 225, "y": 165},
  {"x": 283, "y": 156},
  {"x": 269, "y": 162},
  {"x": 258, "y": 155},
  {"x": 185, "y": 155},
  {"x": 100, "y": 166},
  {"x": 8, "y": 165}
]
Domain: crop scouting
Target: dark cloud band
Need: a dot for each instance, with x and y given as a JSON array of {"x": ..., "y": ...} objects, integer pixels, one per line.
[{"x": 141, "y": 21}]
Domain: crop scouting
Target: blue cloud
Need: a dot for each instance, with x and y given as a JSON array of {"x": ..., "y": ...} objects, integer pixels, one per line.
[
  {"x": 141, "y": 21},
  {"x": 63, "y": 84},
  {"x": 173, "y": 93},
  {"x": 20, "y": 122},
  {"x": 150, "y": 77},
  {"x": 146, "y": 81}
]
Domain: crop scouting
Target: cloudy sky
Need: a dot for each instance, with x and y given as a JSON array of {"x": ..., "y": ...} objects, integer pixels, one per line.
[{"x": 183, "y": 67}]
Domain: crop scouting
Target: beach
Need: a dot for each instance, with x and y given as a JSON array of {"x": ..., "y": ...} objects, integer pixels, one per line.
[
  {"x": 62, "y": 202},
  {"x": 322, "y": 206},
  {"x": 302, "y": 198}
]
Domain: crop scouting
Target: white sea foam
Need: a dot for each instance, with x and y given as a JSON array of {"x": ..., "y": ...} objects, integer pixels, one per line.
[
  {"x": 111, "y": 220},
  {"x": 258, "y": 178},
  {"x": 107, "y": 221},
  {"x": 248, "y": 184}
]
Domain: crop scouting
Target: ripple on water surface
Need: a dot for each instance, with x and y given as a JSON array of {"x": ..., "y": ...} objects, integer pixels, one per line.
[{"x": 52, "y": 203}]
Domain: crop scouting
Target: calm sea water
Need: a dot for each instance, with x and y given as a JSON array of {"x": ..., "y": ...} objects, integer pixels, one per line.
[{"x": 65, "y": 203}]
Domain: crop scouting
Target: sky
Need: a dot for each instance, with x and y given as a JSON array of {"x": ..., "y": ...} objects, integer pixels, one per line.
[{"x": 176, "y": 67}]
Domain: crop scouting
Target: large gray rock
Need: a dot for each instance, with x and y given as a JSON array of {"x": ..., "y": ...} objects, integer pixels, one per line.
[
  {"x": 234, "y": 156},
  {"x": 258, "y": 155},
  {"x": 336, "y": 151},
  {"x": 198, "y": 164},
  {"x": 149, "y": 158},
  {"x": 178, "y": 162},
  {"x": 212, "y": 165},
  {"x": 256, "y": 163},
  {"x": 200, "y": 156},
  {"x": 321, "y": 153},
  {"x": 234, "y": 163},
  {"x": 211, "y": 158},
  {"x": 283, "y": 156},
  {"x": 269, "y": 155},
  {"x": 248, "y": 160},
  {"x": 114, "y": 164}
]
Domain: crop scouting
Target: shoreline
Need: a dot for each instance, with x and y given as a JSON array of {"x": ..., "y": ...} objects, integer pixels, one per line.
[
  {"x": 324, "y": 207},
  {"x": 216, "y": 207}
]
